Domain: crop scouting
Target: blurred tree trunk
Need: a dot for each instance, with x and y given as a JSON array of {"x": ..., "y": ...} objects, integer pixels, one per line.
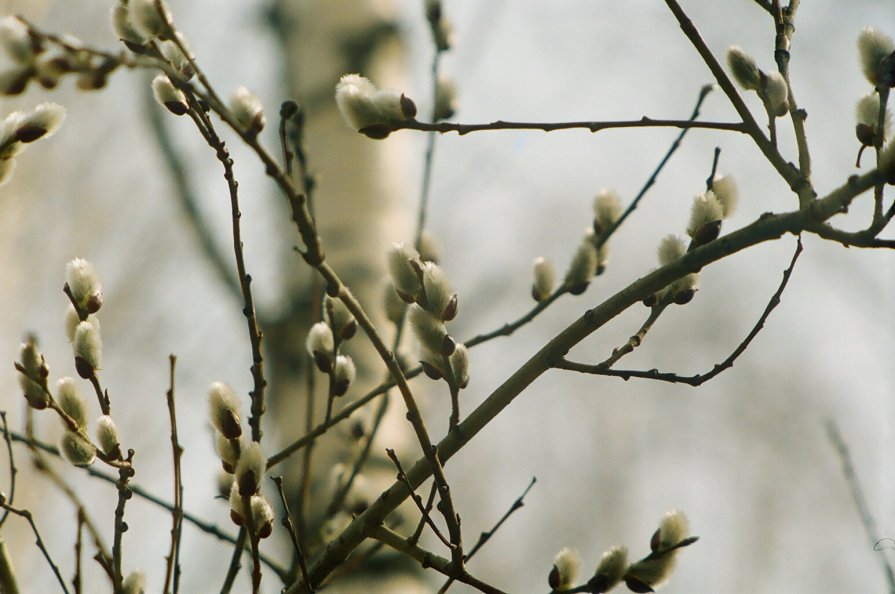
[{"x": 355, "y": 208}]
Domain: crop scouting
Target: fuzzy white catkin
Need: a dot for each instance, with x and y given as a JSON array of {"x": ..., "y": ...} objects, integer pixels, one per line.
[
  {"x": 673, "y": 528},
  {"x": 223, "y": 410},
  {"x": 867, "y": 113},
  {"x": 429, "y": 330},
  {"x": 544, "y": 279},
  {"x": 445, "y": 98},
  {"x": 82, "y": 280},
  {"x": 169, "y": 96},
  {"x": 607, "y": 210},
  {"x": 727, "y": 193},
  {"x": 566, "y": 566},
  {"x": 320, "y": 344},
  {"x": 611, "y": 567},
  {"x": 706, "y": 209},
  {"x": 743, "y": 68},
  {"x": 42, "y": 122},
  {"x": 776, "y": 93},
  {"x": 121, "y": 23},
  {"x": 404, "y": 276},
  {"x": 363, "y": 105},
  {"x": 88, "y": 345},
  {"x": 76, "y": 449},
  {"x": 134, "y": 583},
  {"x": 670, "y": 249},
  {"x": 250, "y": 469},
  {"x": 71, "y": 401},
  {"x": 437, "y": 289},
  {"x": 146, "y": 18},
  {"x": 15, "y": 40},
  {"x": 248, "y": 110},
  {"x": 459, "y": 361},
  {"x": 107, "y": 434},
  {"x": 583, "y": 266},
  {"x": 874, "y": 47}
]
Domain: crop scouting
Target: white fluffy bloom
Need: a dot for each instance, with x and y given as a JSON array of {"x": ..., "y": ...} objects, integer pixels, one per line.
[
  {"x": 440, "y": 298},
  {"x": 320, "y": 345},
  {"x": 404, "y": 275},
  {"x": 88, "y": 349},
  {"x": 82, "y": 281},
  {"x": 16, "y": 40},
  {"x": 76, "y": 449},
  {"x": 582, "y": 268},
  {"x": 250, "y": 469},
  {"x": 134, "y": 583},
  {"x": 610, "y": 569},
  {"x": 107, "y": 435},
  {"x": 607, "y": 210},
  {"x": 727, "y": 193}
]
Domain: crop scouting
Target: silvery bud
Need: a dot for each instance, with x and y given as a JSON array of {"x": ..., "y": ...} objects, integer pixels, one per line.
[
  {"x": 544, "y": 279},
  {"x": 76, "y": 449},
  {"x": 565, "y": 570},
  {"x": 247, "y": 110},
  {"x": 320, "y": 345},
  {"x": 743, "y": 68},
  {"x": 250, "y": 469},
  {"x": 71, "y": 401},
  {"x": 88, "y": 349},
  {"x": 169, "y": 96},
  {"x": 223, "y": 408}
]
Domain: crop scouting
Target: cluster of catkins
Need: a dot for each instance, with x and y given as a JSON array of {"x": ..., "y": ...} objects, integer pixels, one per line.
[
  {"x": 244, "y": 463},
  {"x": 325, "y": 341},
  {"x": 45, "y": 60},
  {"x": 83, "y": 330},
  {"x": 374, "y": 112},
  {"x": 613, "y": 568},
  {"x": 424, "y": 286},
  {"x": 21, "y": 128},
  {"x": 877, "y": 54},
  {"x": 708, "y": 210},
  {"x": 591, "y": 257}
]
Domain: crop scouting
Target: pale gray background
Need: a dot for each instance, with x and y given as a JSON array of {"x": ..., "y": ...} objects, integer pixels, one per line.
[{"x": 746, "y": 456}]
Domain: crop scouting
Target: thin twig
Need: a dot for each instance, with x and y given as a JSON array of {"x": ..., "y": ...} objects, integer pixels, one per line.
[
  {"x": 698, "y": 379},
  {"x": 203, "y": 526},
  {"x": 593, "y": 126},
  {"x": 427, "y": 558},
  {"x": 79, "y": 550},
  {"x": 10, "y": 498},
  {"x": 857, "y": 493},
  {"x": 186, "y": 196},
  {"x": 124, "y": 494},
  {"x": 418, "y": 500},
  {"x": 24, "y": 513},
  {"x": 172, "y": 568},
  {"x": 287, "y": 523},
  {"x": 245, "y": 280},
  {"x": 766, "y": 228},
  {"x": 234, "y": 566},
  {"x": 484, "y": 537}
]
